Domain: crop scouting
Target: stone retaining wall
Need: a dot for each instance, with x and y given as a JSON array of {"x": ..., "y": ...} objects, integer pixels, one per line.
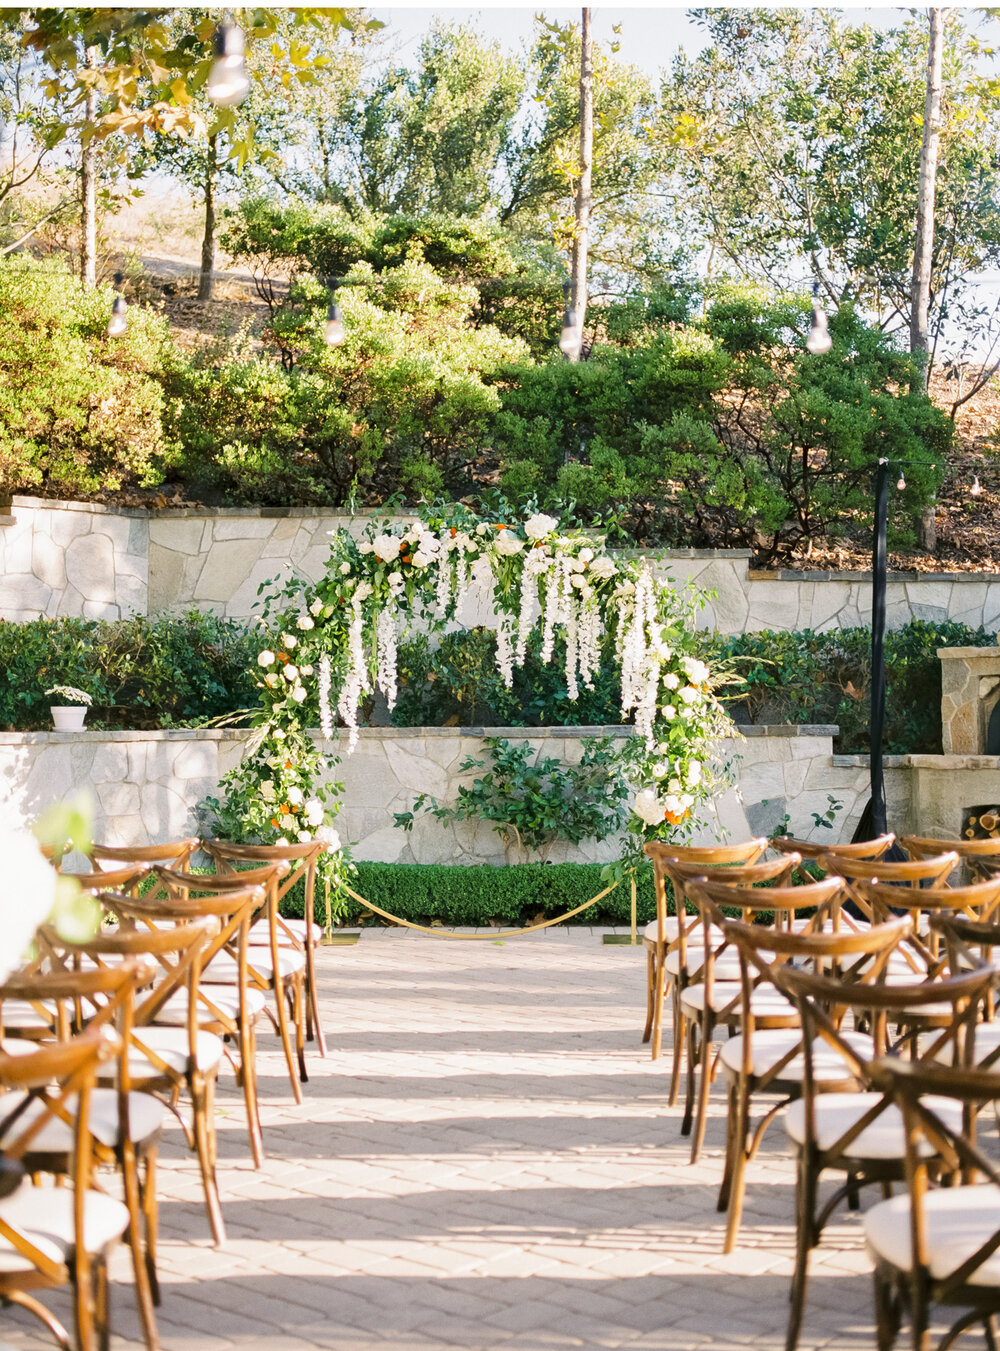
[
  {"x": 77, "y": 559},
  {"x": 146, "y": 784}
]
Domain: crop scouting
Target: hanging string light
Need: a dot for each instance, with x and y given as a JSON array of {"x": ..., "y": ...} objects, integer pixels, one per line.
[
  {"x": 819, "y": 340},
  {"x": 901, "y": 481},
  {"x": 118, "y": 322},
  {"x": 228, "y": 81}
]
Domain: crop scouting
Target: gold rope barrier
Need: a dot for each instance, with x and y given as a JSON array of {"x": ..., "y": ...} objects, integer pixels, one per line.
[{"x": 487, "y": 937}]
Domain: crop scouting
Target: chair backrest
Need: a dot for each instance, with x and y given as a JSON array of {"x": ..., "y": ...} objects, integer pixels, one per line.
[
  {"x": 922, "y": 954},
  {"x": 815, "y": 850},
  {"x": 982, "y": 856},
  {"x": 910, "y": 873},
  {"x": 668, "y": 858},
  {"x": 774, "y": 872},
  {"x": 60, "y": 1078},
  {"x": 301, "y": 859},
  {"x": 126, "y": 878}
]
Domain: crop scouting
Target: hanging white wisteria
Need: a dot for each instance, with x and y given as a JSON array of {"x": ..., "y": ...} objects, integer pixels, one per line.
[{"x": 342, "y": 637}]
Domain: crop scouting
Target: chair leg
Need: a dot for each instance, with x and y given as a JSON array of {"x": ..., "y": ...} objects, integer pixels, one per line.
[
  {"x": 151, "y": 1216},
  {"x": 738, "y": 1184},
  {"x": 102, "y": 1303},
  {"x": 725, "y": 1186},
  {"x": 248, "y": 1066},
  {"x": 205, "y": 1152},
  {"x": 680, "y": 1039},
  {"x": 704, "y": 1086},
  {"x": 693, "y": 1058},
  {"x": 647, "y": 1031},
  {"x": 83, "y": 1302},
  {"x": 886, "y": 1313},
  {"x": 34, "y": 1306},
  {"x": 299, "y": 1019},
  {"x": 313, "y": 994},
  {"x": 658, "y": 993},
  {"x": 140, "y": 1270},
  {"x": 805, "y": 1238},
  {"x": 281, "y": 1000}
]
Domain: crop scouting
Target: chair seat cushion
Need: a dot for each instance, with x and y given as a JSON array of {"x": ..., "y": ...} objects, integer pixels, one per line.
[
  {"x": 768, "y": 1047},
  {"x": 959, "y": 1221},
  {"x": 145, "y": 1117},
  {"x": 44, "y": 1217},
  {"x": 297, "y": 934},
  {"x": 882, "y": 1138},
  {"x": 225, "y": 998},
  {"x": 224, "y": 970},
  {"x": 671, "y": 929},
  {"x": 171, "y": 1045},
  {"x": 28, "y": 1015},
  {"x": 766, "y": 1001},
  {"x": 726, "y": 966}
]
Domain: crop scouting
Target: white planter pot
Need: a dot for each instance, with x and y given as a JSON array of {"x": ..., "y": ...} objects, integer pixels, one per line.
[{"x": 68, "y": 717}]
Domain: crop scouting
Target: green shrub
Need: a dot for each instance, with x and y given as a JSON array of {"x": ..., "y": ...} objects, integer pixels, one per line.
[
  {"x": 512, "y": 895},
  {"x": 141, "y": 673},
  {"x": 79, "y": 412}
]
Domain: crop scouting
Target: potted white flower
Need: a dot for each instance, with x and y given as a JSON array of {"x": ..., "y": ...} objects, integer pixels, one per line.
[{"x": 69, "y": 714}]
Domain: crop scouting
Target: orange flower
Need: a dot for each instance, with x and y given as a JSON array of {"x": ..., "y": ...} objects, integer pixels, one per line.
[
  {"x": 282, "y": 656},
  {"x": 454, "y": 532},
  {"x": 284, "y": 809},
  {"x": 288, "y": 764},
  {"x": 274, "y": 821},
  {"x": 501, "y": 527},
  {"x": 404, "y": 558}
]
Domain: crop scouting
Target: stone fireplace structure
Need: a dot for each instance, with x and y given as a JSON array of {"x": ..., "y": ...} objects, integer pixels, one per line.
[{"x": 970, "y": 700}]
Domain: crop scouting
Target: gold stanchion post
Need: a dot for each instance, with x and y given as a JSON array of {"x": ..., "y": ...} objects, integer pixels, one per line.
[
  {"x": 631, "y": 939},
  {"x": 339, "y": 938}
]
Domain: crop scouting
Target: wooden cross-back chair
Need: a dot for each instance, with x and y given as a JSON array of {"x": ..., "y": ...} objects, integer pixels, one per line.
[
  {"x": 815, "y": 850},
  {"x": 714, "y": 997},
  {"x": 57, "y": 1236},
  {"x": 969, "y": 943},
  {"x": 661, "y": 935},
  {"x": 937, "y": 1247},
  {"x": 174, "y": 854},
  {"x": 124, "y": 1124},
  {"x": 693, "y": 950},
  {"x": 762, "y": 1060},
  {"x": 981, "y": 857},
  {"x": 179, "y": 1057},
  {"x": 301, "y": 934},
  {"x": 126, "y": 879},
  {"x": 860, "y": 1134},
  {"x": 271, "y": 968},
  {"x": 932, "y": 872}
]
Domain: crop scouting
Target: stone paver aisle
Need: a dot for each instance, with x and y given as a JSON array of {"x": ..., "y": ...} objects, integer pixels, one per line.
[{"x": 484, "y": 1160}]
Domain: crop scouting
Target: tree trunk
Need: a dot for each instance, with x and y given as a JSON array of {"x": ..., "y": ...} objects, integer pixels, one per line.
[
  {"x": 88, "y": 184},
  {"x": 207, "y": 279},
  {"x": 923, "y": 246},
  {"x": 581, "y": 234}
]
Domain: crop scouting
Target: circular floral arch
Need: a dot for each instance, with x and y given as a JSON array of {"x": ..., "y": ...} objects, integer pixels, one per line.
[{"x": 329, "y": 645}]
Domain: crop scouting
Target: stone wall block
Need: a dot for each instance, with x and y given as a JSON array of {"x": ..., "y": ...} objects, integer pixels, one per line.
[
  {"x": 177, "y": 534},
  {"x": 24, "y": 596},
  {"x": 226, "y": 560},
  {"x": 63, "y": 527},
  {"x": 90, "y": 566},
  {"x": 48, "y": 561},
  {"x": 243, "y": 527}
]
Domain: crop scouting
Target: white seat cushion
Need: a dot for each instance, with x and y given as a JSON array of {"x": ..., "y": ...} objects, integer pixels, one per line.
[
  {"x": 671, "y": 929},
  {"x": 769, "y": 1046},
  {"x": 171, "y": 1045},
  {"x": 17, "y": 1045},
  {"x": 959, "y": 1221},
  {"x": 145, "y": 1117},
  {"x": 225, "y": 998},
  {"x": 765, "y": 1002},
  {"x": 26, "y": 1014},
  {"x": 224, "y": 970},
  {"x": 298, "y": 932},
  {"x": 726, "y": 966},
  {"x": 882, "y": 1138},
  {"x": 44, "y": 1216}
]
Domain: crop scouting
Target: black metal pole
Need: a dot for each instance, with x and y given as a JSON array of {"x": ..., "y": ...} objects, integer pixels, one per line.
[{"x": 873, "y": 818}]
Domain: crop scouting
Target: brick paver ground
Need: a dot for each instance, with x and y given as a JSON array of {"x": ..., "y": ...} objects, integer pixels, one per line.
[{"x": 484, "y": 1160}]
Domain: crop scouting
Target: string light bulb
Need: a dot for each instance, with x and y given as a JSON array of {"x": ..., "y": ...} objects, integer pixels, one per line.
[
  {"x": 333, "y": 333},
  {"x": 228, "y": 81},
  {"x": 118, "y": 322},
  {"x": 976, "y": 488},
  {"x": 819, "y": 340},
  {"x": 901, "y": 481}
]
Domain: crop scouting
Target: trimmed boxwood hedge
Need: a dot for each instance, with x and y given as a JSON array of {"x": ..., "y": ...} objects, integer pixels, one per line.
[{"x": 481, "y": 895}]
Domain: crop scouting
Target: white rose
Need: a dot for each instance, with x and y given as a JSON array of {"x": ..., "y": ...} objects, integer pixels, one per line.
[
  {"x": 306, "y": 670},
  {"x": 661, "y": 769},
  {"x": 686, "y": 800},
  {"x": 305, "y": 622},
  {"x": 386, "y": 547},
  {"x": 283, "y": 841},
  {"x": 329, "y": 837},
  {"x": 540, "y": 525},
  {"x": 314, "y": 812},
  {"x": 267, "y": 790},
  {"x": 317, "y": 606},
  {"x": 673, "y": 804},
  {"x": 265, "y": 658},
  {"x": 647, "y": 806},
  {"x": 363, "y": 590},
  {"x": 279, "y": 734},
  {"x": 578, "y": 580},
  {"x": 364, "y": 547},
  {"x": 671, "y": 681},
  {"x": 669, "y": 712},
  {"x": 291, "y": 672},
  {"x": 412, "y": 535},
  {"x": 697, "y": 671},
  {"x": 481, "y": 528},
  {"x": 289, "y": 640},
  {"x": 345, "y": 569},
  {"x": 674, "y": 786},
  {"x": 420, "y": 559},
  {"x": 689, "y": 694},
  {"x": 272, "y": 679},
  {"x": 507, "y": 545},
  {"x": 603, "y": 567},
  {"x": 295, "y": 796},
  {"x": 586, "y": 555},
  {"x": 299, "y": 694},
  {"x": 304, "y": 837},
  {"x": 396, "y": 582},
  {"x": 694, "y": 774}
]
